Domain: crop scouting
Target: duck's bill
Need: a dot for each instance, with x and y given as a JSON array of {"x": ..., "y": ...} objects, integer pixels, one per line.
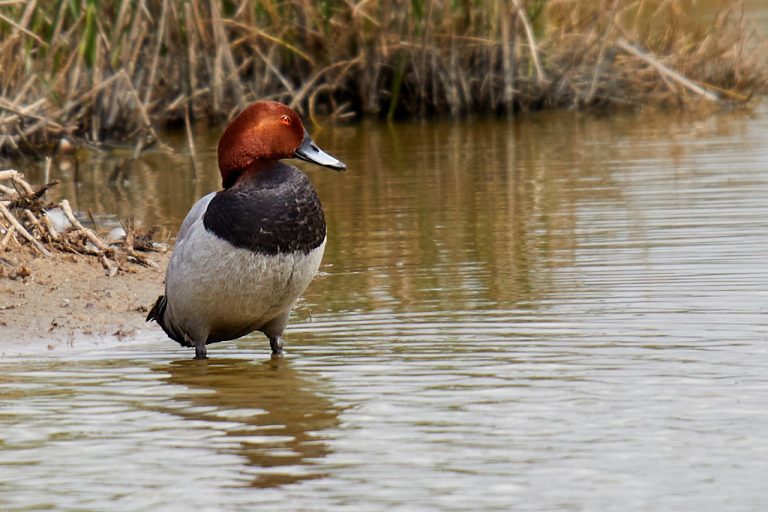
[{"x": 309, "y": 152}]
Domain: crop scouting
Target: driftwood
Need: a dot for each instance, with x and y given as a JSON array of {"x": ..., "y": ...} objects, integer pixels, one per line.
[
  {"x": 17, "y": 225},
  {"x": 25, "y": 220}
]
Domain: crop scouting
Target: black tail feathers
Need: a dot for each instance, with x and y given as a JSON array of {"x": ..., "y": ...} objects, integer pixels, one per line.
[
  {"x": 157, "y": 313},
  {"x": 158, "y": 310}
]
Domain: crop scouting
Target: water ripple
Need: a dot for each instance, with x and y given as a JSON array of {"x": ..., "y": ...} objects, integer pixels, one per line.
[{"x": 570, "y": 316}]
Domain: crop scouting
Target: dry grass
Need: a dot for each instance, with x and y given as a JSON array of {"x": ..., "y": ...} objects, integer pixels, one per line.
[{"x": 115, "y": 69}]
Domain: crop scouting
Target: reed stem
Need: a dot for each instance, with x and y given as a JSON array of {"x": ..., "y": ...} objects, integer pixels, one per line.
[{"x": 117, "y": 70}]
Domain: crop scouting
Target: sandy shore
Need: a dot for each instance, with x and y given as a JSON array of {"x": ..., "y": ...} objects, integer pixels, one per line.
[{"x": 67, "y": 300}]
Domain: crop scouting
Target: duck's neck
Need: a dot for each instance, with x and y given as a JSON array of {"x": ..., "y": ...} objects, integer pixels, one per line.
[{"x": 249, "y": 174}]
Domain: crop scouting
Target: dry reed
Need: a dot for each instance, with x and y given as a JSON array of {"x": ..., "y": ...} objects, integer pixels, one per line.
[
  {"x": 115, "y": 70},
  {"x": 28, "y": 219}
]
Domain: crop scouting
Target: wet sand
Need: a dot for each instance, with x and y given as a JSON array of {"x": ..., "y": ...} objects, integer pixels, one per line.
[{"x": 67, "y": 301}]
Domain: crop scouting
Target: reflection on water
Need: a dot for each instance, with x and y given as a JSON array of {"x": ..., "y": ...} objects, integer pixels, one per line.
[
  {"x": 102, "y": 429},
  {"x": 559, "y": 312},
  {"x": 279, "y": 412}
]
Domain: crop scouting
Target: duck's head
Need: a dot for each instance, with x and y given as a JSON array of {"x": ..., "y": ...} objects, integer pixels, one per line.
[{"x": 263, "y": 133}]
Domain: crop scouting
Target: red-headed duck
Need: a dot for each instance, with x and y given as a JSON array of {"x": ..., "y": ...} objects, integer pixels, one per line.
[{"x": 245, "y": 254}]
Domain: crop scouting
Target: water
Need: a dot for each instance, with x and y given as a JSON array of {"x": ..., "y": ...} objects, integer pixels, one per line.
[{"x": 563, "y": 312}]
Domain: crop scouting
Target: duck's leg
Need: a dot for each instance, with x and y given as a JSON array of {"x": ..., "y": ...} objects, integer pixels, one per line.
[
  {"x": 276, "y": 344},
  {"x": 274, "y": 331},
  {"x": 200, "y": 351},
  {"x": 191, "y": 341}
]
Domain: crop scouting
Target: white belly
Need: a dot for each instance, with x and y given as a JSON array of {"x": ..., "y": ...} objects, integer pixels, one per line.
[{"x": 213, "y": 287}]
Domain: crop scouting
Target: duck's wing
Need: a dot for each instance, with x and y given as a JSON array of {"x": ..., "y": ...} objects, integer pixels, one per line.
[
  {"x": 195, "y": 213},
  {"x": 158, "y": 312}
]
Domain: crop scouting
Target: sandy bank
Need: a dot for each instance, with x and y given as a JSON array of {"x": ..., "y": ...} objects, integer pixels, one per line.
[{"x": 67, "y": 300}]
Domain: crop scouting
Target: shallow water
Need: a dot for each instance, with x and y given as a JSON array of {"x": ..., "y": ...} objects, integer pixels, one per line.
[{"x": 561, "y": 312}]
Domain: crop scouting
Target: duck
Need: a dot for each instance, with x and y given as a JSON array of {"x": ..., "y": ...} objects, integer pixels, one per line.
[{"x": 245, "y": 254}]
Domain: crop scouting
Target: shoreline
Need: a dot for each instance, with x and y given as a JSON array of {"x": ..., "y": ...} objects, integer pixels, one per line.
[{"x": 67, "y": 300}]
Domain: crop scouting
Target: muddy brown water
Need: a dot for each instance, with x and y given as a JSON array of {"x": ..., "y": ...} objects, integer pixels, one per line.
[{"x": 560, "y": 312}]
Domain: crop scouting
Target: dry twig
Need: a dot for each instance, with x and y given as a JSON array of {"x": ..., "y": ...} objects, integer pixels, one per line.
[
  {"x": 666, "y": 71},
  {"x": 23, "y": 211}
]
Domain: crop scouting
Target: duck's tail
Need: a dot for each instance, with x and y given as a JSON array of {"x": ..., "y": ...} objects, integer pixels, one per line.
[
  {"x": 158, "y": 310},
  {"x": 158, "y": 314}
]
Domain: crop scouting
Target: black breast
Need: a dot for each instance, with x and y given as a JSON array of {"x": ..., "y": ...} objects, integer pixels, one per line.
[{"x": 275, "y": 211}]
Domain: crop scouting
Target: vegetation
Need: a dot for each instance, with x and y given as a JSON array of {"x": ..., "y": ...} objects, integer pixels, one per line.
[
  {"x": 27, "y": 218},
  {"x": 117, "y": 69}
]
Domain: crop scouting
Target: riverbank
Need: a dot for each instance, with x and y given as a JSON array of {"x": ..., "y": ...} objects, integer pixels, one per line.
[
  {"x": 65, "y": 300},
  {"x": 61, "y": 281},
  {"x": 93, "y": 72}
]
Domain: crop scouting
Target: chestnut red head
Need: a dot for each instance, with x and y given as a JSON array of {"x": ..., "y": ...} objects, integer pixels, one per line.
[{"x": 265, "y": 132}]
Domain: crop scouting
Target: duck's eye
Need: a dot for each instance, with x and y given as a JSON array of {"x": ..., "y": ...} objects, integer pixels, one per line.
[{"x": 285, "y": 120}]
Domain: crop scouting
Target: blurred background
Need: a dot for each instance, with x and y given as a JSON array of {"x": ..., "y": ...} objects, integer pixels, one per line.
[{"x": 120, "y": 70}]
